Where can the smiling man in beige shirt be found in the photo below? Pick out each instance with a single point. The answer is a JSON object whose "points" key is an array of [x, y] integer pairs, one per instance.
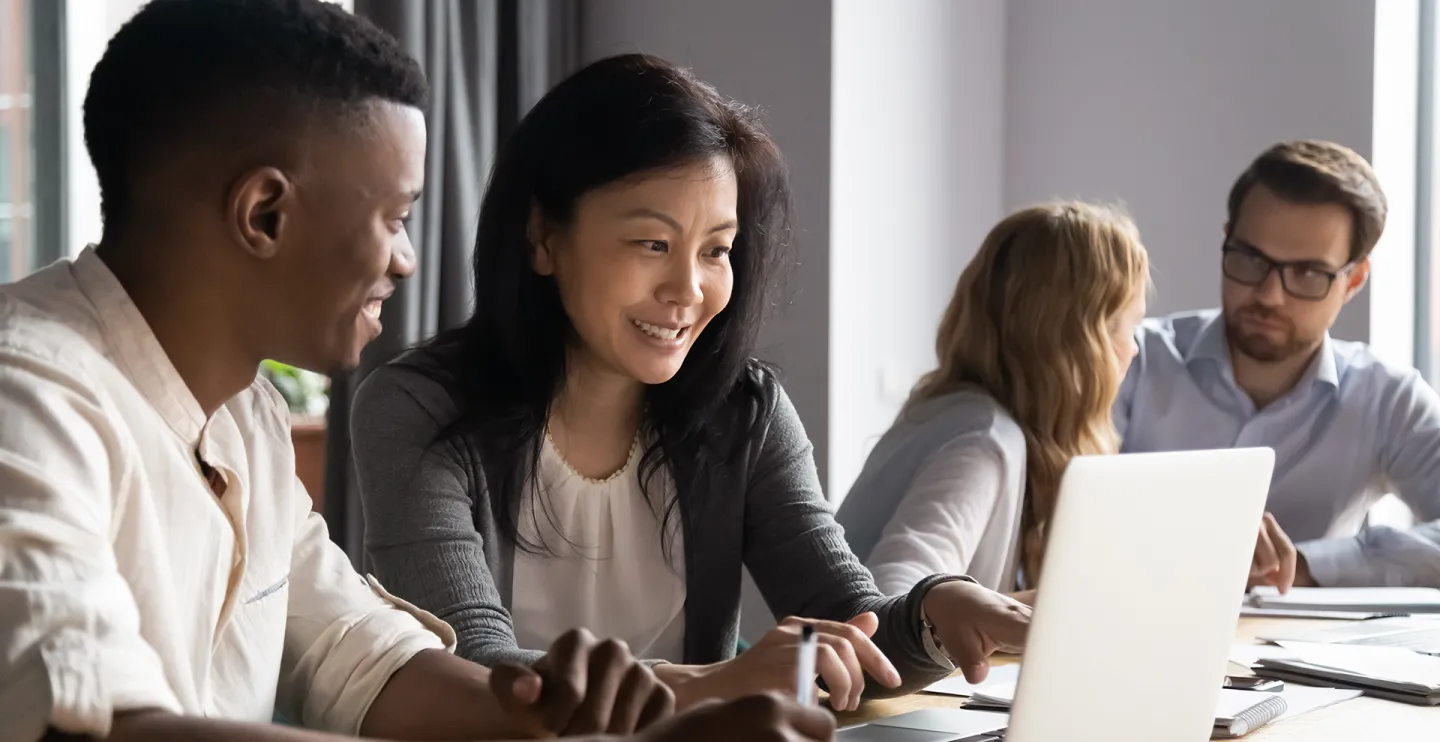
{"points": [[161, 574]]}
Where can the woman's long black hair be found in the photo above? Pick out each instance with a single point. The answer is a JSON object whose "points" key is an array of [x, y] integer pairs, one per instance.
{"points": [[617, 118]]}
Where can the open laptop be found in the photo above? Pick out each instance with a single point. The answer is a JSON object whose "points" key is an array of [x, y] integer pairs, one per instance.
{"points": [[1137, 604]]}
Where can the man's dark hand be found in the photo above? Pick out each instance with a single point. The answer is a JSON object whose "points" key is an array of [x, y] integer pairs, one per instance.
{"points": [[582, 686]]}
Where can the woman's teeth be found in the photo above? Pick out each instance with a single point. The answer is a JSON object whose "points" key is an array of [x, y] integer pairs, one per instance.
{"points": [[663, 333], [372, 309]]}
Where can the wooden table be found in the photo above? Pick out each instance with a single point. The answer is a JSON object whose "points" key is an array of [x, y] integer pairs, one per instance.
{"points": [[1363, 719]]}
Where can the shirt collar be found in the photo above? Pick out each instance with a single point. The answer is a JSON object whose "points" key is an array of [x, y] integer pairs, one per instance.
{"points": [[1210, 345], [138, 352]]}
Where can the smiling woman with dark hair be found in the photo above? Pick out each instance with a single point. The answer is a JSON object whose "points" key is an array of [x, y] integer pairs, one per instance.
{"points": [[596, 447]]}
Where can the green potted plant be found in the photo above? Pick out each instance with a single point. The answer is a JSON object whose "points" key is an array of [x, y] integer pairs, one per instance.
{"points": [[307, 393], [308, 396]]}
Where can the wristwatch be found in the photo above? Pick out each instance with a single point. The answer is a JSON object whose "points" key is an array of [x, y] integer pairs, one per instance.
{"points": [[933, 647]]}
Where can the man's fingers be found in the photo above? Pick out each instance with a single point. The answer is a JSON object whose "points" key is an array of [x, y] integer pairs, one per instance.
{"points": [[1265, 560], [836, 675], [567, 675], [659, 706], [609, 661], [515, 684], [517, 689], [630, 698], [1285, 551]]}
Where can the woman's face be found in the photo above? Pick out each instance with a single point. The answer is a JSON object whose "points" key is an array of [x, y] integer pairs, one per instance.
{"points": [[1122, 333], [644, 266]]}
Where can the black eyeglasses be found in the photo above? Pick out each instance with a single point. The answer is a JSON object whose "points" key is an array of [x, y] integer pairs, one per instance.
{"points": [[1300, 279]]}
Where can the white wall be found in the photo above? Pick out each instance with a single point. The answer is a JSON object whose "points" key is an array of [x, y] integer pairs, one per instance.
{"points": [[89, 24], [1161, 104], [776, 55], [916, 156]]}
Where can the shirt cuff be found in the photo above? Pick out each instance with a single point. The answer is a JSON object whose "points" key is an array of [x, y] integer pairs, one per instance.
{"points": [[90, 679], [373, 649], [1334, 562]]}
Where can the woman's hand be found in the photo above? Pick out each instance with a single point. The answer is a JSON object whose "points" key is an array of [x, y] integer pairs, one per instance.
{"points": [[844, 653], [1023, 596], [973, 623]]}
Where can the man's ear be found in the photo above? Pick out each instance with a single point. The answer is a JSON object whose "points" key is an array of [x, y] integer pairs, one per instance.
{"points": [[542, 257], [1356, 278], [259, 202]]}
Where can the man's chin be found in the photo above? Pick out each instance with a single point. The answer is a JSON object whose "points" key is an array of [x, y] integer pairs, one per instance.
{"points": [[340, 368], [1266, 350]]}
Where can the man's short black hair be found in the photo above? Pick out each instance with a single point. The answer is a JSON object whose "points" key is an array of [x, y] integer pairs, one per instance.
{"points": [[223, 73]]}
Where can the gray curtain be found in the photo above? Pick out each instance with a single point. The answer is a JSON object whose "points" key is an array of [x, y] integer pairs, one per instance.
{"points": [[488, 61]]}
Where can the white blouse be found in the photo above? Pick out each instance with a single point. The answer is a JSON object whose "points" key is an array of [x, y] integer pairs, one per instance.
{"points": [[602, 566]]}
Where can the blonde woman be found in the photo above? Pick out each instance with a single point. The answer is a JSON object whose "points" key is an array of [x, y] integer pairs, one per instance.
{"points": [[1032, 350]]}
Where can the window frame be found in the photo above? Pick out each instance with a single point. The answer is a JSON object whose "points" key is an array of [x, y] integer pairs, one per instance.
{"points": [[47, 37]]}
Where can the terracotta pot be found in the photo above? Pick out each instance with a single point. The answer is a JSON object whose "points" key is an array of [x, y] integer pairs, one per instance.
{"points": [[309, 439]]}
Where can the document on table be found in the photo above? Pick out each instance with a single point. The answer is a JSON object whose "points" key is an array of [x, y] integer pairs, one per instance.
{"points": [[1391, 664], [1299, 699], [1363, 599], [1251, 654], [956, 685]]}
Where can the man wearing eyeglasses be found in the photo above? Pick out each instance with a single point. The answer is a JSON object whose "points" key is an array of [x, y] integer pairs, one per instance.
{"points": [[1263, 370]]}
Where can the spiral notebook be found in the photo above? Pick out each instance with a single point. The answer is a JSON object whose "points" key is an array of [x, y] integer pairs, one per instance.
{"points": [[1237, 712]]}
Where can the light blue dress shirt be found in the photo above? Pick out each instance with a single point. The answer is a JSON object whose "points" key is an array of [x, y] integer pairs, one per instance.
{"points": [[1352, 430]]}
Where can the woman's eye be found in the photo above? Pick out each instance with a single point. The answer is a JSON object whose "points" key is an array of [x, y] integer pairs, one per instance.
{"points": [[655, 245], [719, 252]]}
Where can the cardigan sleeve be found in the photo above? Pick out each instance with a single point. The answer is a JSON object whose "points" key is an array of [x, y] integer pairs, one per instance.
{"points": [[418, 500], [801, 562]]}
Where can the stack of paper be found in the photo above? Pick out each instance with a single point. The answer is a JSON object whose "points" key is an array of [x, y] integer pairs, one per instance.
{"points": [[956, 685], [1384, 672], [1374, 600], [1237, 712]]}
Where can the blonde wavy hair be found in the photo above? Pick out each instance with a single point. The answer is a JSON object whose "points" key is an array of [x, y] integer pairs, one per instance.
{"points": [[1030, 324]]}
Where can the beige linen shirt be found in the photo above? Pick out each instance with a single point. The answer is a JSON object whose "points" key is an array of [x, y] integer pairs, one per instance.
{"points": [[125, 581]]}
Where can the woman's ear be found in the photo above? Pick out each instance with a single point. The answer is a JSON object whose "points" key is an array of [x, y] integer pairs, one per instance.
{"points": [[542, 258]]}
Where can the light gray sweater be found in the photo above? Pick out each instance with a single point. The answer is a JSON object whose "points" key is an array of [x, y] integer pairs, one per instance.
{"points": [[941, 492], [433, 542]]}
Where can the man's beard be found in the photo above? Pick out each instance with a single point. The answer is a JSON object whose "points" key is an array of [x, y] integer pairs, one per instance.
{"points": [[1261, 346]]}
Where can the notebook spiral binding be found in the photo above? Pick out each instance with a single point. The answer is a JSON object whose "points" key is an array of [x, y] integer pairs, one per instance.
{"points": [[1254, 717]]}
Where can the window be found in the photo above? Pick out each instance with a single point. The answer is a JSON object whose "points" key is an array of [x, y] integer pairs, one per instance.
{"points": [[17, 146], [1427, 216]]}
